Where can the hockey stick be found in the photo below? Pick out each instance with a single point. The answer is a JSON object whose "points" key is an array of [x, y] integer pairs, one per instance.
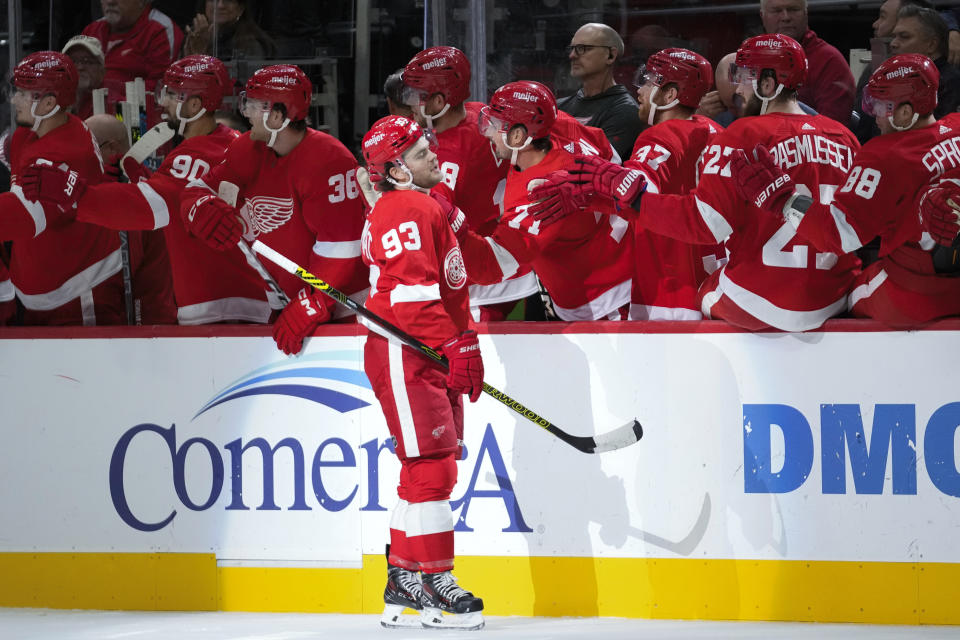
{"points": [[616, 439], [228, 192], [149, 142]]}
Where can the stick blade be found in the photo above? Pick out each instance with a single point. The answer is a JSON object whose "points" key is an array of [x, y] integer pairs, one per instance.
{"points": [[620, 437]]}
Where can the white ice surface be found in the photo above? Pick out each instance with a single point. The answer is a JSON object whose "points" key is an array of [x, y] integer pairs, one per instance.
{"points": [[43, 624]]}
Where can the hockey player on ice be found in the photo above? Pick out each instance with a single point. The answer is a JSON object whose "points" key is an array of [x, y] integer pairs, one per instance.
{"points": [[209, 285], [418, 283]]}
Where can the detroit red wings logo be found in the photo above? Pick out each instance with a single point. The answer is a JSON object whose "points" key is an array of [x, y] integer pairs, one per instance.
{"points": [[454, 269], [267, 213]]}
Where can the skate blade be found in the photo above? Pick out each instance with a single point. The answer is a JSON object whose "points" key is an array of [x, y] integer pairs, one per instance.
{"points": [[394, 617], [433, 618]]}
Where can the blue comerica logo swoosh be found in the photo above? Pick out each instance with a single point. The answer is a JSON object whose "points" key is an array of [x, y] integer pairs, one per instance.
{"points": [[309, 368]]}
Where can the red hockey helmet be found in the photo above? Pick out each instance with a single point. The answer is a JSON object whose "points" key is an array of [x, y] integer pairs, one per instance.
{"points": [[199, 75], [48, 72], [526, 103], [775, 51], [908, 77], [690, 71], [286, 84], [443, 70], [386, 142]]}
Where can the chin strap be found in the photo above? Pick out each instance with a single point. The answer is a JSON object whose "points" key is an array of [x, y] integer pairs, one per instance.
{"points": [[766, 101], [408, 183], [654, 107], [516, 150], [38, 120], [430, 119], [916, 116], [185, 121], [273, 132]]}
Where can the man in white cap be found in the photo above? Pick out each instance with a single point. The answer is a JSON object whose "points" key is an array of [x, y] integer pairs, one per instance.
{"points": [[87, 56]]}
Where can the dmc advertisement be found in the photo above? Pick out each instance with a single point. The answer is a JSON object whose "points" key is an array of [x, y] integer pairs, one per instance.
{"points": [[825, 446]]}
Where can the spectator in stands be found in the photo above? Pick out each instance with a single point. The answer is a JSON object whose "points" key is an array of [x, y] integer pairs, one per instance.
{"points": [[236, 32], [829, 88], [952, 18], [87, 56], [140, 42], [150, 276], [863, 124], [601, 102], [721, 103], [923, 31]]}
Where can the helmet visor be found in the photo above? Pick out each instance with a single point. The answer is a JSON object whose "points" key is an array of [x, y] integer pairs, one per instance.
{"points": [[743, 75], [487, 122], [875, 106], [645, 75], [413, 97], [252, 107]]}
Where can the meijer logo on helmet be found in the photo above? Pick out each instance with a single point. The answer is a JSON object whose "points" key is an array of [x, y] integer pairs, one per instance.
{"points": [[899, 72], [374, 140], [439, 62], [196, 68], [526, 97], [769, 43]]}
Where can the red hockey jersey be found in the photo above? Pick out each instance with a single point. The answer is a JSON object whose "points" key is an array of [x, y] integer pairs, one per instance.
{"points": [[583, 260], [305, 205], [667, 272], [474, 179], [8, 305], [64, 272], [209, 286], [417, 275], [572, 136], [880, 198], [771, 275]]}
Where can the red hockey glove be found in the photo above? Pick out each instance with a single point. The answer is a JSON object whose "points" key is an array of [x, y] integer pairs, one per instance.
{"points": [[557, 197], [940, 212], [215, 222], [60, 185], [624, 185], [298, 320], [455, 217], [134, 171], [466, 365], [111, 168], [760, 181]]}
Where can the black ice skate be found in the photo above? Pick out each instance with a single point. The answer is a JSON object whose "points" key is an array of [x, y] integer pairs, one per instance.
{"points": [[403, 591], [446, 604]]}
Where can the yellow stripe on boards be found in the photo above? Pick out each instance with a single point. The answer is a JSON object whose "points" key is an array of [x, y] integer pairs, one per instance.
{"points": [[141, 581], [677, 588]]}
